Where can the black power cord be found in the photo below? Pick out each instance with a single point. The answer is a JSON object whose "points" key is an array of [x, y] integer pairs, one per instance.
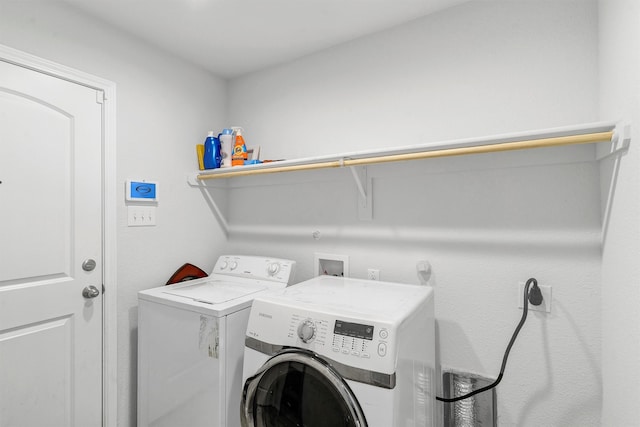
{"points": [[535, 298]]}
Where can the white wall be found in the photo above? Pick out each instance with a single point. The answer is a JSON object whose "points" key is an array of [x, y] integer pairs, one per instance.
{"points": [[164, 108], [460, 73], [485, 222], [619, 98]]}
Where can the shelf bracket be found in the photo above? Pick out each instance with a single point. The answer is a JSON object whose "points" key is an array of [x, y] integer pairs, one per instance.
{"points": [[193, 181], [365, 187], [620, 141]]}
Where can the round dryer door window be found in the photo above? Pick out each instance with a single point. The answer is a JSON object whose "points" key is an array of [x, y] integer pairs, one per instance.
{"points": [[296, 388]]}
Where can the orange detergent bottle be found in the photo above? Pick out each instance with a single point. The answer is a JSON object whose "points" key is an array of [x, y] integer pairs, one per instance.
{"points": [[239, 148]]}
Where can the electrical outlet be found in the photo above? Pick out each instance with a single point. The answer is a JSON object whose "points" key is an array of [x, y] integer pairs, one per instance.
{"points": [[373, 274], [546, 298]]}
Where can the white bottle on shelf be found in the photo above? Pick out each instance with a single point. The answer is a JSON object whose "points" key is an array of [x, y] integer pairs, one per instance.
{"points": [[226, 143]]}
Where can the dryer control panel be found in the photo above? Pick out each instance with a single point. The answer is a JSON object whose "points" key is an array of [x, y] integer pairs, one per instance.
{"points": [[361, 340], [364, 344], [257, 268], [351, 342]]}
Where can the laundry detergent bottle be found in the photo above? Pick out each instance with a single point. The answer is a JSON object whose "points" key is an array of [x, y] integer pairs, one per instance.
{"points": [[239, 148], [212, 156]]}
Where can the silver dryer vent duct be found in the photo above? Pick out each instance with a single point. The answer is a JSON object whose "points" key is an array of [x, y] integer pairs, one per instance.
{"points": [[476, 411]]}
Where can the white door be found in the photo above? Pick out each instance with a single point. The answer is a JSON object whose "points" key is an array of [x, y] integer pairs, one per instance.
{"points": [[50, 223]]}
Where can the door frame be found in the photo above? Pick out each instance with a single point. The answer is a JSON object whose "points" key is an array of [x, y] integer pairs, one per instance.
{"points": [[109, 220]]}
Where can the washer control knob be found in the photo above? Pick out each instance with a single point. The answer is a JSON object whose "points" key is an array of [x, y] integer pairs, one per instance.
{"points": [[224, 265], [273, 268], [233, 265], [307, 331]]}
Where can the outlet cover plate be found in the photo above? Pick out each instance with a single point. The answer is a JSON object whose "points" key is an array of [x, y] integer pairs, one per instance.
{"points": [[546, 298]]}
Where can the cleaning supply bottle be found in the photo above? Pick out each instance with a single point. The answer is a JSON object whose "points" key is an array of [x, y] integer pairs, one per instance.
{"points": [[226, 144], [239, 148], [212, 156]]}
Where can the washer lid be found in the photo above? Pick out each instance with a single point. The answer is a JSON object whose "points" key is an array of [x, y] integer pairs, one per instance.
{"points": [[214, 291]]}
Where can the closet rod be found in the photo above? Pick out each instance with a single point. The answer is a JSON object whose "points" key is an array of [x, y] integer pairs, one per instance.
{"points": [[244, 172], [588, 138]]}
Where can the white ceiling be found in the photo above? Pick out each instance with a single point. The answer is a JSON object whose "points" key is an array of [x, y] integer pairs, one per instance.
{"points": [[235, 37]]}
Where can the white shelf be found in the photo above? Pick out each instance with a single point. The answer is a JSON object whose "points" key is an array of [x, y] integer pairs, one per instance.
{"points": [[579, 134], [591, 133]]}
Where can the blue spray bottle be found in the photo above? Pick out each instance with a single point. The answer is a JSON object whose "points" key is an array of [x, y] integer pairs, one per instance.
{"points": [[212, 155]]}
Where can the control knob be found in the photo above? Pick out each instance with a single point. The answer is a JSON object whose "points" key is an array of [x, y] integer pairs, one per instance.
{"points": [[273, 268], [307, 331]]}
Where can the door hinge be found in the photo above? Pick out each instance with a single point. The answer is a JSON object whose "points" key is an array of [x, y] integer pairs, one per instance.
{"points": [[100, 96], [103, 289]]}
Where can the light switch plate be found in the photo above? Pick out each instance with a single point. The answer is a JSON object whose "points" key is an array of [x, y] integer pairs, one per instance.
{"points": [[141, 216]]}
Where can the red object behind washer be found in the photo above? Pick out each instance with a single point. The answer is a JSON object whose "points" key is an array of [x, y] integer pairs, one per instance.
{"points": [[186, 272]]}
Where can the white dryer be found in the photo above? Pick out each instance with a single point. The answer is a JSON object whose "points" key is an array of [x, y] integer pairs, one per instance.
{"points": [[337, 352], [191, 342]]}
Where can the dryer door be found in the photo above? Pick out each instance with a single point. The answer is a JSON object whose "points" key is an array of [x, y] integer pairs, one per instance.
{"points": [[298, 388]]}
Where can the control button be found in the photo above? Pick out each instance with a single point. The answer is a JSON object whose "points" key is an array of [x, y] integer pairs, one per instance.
{"points": [[366, 355], [224, 265], [383, 334], [355, 353], [234, 265], [345, 351], [382, 349], [336, 349]]}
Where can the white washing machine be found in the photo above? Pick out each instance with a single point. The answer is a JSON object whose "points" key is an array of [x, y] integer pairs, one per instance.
{"points": [[337, 352], [191, 342]]}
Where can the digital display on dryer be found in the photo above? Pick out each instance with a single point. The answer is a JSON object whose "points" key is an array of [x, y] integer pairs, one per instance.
{"points": [[355, 330]]}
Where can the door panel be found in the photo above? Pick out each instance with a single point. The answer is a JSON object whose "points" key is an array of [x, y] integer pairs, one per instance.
{"points": [[35, 193], [50, 221], [34, 352]]}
